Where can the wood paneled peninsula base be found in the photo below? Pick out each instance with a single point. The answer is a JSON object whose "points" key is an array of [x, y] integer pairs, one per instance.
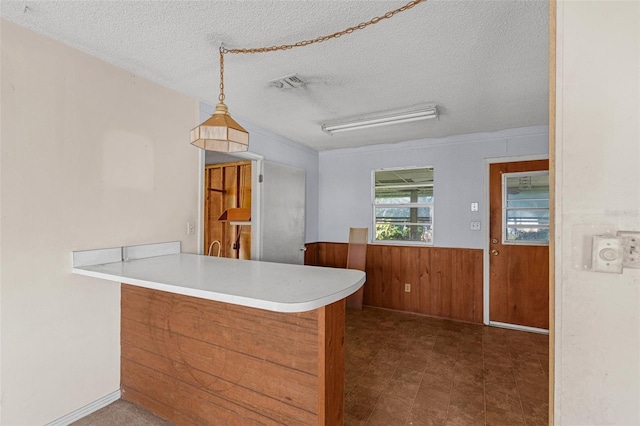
{"points": [[200, 362], [214, 341]]}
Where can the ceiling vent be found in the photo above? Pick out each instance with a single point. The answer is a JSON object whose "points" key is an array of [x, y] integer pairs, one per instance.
{"points": [[292, 81]]}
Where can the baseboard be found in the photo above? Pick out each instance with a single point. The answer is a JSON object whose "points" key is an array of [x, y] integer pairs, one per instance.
{"points": [[420, 314], [518, 327], [86, 410]]}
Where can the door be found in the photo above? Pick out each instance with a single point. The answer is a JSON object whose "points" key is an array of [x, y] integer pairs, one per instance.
{"points": [[519, 243], [283, 201]]}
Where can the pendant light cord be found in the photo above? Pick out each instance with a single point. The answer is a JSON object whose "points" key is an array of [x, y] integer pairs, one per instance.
{"points": [[320, 39], [221, 96], [302, 43]]}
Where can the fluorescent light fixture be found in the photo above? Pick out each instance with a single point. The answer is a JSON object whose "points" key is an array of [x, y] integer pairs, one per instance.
{"points": [[382, 120]]}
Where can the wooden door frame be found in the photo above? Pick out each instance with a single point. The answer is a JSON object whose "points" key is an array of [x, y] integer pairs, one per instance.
{"points": [[486, 233], [256, 200]]}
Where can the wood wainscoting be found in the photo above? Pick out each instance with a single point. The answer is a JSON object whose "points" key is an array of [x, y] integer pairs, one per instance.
{"points": [[199, 362], [445, 282]]}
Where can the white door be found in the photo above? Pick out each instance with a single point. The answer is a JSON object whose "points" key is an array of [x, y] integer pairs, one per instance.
{"points": [[282, 214]]}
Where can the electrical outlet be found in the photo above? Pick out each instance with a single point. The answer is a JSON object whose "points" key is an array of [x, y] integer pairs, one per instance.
{"points": [[407, 288], [607, 254], [191, 228], [630, 248], [475, 225]]}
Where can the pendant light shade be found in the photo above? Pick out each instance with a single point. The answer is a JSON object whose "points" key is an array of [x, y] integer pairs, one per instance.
{"points": [[220, 133]]}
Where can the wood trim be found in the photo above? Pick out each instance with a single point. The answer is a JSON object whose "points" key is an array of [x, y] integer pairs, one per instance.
{"points": [[552, 198], [200, 362], [445, 282], [331, 329], [322, 371]]}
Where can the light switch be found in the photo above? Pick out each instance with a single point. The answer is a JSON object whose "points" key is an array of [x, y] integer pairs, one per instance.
{"points": [[475, 225], [474, 207], [631, 248]]}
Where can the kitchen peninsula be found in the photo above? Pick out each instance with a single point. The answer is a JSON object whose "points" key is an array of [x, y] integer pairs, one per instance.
{"points": [[208, 340]]}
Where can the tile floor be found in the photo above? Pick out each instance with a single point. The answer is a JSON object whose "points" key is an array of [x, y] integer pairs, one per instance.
{"points": [[404, 369]]}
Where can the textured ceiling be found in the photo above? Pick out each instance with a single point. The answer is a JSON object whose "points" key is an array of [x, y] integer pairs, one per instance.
{"points": [[484, 63]]}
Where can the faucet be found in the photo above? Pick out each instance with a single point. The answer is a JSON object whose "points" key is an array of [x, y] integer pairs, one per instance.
{"points": [[211, 247]]}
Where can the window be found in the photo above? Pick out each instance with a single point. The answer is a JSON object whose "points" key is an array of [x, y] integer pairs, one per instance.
{"points": [[403, 205], [525, 208]]}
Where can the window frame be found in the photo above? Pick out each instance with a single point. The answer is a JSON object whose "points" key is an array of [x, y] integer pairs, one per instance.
{"points": [[431, 206], [503, 232]]}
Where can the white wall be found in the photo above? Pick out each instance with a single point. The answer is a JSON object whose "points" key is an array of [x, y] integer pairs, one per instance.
{"points": [[597, 358], [213, 157], [345, 180], [279, 149], [92, 156]]}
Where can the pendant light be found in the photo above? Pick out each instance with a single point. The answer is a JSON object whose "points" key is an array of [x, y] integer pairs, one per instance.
{"points": [[220, 133]]}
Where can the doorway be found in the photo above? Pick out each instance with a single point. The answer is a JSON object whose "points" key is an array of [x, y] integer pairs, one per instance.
{"points": [[276, 228], [517, 250], [227, 210], [251, 230]]}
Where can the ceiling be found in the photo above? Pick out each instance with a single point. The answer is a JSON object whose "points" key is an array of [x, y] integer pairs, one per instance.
{"points": [[483, 63]]}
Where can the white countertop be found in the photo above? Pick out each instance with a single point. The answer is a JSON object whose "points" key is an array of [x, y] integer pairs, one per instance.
{"points": [[263, 285]]}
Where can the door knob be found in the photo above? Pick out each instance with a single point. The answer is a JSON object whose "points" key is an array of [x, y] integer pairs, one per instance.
{"points": [[495, 252], [303, 248]]}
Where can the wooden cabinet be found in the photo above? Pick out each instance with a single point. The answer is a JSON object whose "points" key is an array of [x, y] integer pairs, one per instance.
{"points": [[227, 186]]}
